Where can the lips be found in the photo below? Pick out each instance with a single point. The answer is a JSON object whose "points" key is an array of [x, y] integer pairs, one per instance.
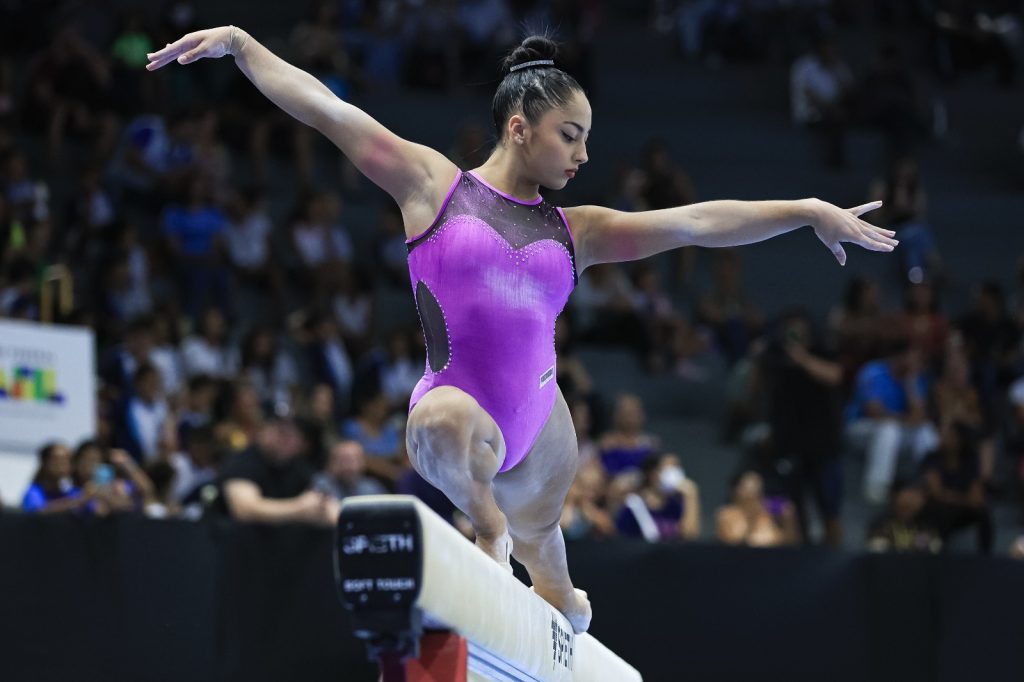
{"points": [[570, 173]]}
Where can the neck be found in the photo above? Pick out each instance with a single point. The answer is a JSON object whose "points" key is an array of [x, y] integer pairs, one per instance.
{"points": [[505, 171]]}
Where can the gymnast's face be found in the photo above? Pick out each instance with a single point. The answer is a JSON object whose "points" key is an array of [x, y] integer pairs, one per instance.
{"points": [[554, 147]]}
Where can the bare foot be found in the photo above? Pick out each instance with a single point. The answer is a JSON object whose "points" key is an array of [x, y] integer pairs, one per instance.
{"points": [[574, 606], [499, 549]]}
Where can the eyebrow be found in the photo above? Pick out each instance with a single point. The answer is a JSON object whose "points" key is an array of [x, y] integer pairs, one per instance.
{"points": [[578, 126]]}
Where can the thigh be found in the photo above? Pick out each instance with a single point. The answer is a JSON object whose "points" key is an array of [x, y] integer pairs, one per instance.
{"points": [[532, 494], [448, 428]]}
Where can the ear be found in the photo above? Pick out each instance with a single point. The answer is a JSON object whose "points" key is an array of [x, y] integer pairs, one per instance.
{"points": [[518, 128]]}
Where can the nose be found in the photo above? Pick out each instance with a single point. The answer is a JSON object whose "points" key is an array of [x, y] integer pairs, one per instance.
{"points": [[581, 157]]}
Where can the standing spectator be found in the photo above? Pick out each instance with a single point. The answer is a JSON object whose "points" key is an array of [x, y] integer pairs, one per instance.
{"points": [[752, 519], [956, 492], [887, 416], [345, 475], [821, 85], [194, 230], [269, 481], [210, 352], [803, 395], [52, 490], [667, 506]]}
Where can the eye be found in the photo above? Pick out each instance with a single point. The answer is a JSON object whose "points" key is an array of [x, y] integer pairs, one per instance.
{"points": [[568, 138]]}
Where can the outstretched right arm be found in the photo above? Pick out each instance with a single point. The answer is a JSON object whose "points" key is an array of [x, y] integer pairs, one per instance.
{"points": [[416, 176]]}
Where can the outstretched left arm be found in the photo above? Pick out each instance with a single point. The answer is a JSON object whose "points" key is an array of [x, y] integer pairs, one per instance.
{"points": [[604, 235]]}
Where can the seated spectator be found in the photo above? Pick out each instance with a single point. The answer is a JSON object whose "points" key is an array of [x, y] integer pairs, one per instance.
{"points": [[329, 359], [399, 370], [197, 409], [821, 87], [891, 100], [345, 475], [856, 325], [247, 236], [955, 400], [667, 506], [352, 305], [923, 322], [52, 489], [195, 465], [1017, 548], [1014, 436], [901, 528], [887, 417], [322, 244], [956, 492], [117, 483], [144, 415], [245, 419], [905, 211], [319, 423], [392, 251], [604, 305], [269, 369], [163, 505], [627, 446], [583, 516], [210, 351], [269, 482], [728, 310], [378, 434], [753, 519], [582, 425]]}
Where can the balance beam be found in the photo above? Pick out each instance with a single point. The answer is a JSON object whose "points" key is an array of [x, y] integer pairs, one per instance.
{"points": [[399, 566]]}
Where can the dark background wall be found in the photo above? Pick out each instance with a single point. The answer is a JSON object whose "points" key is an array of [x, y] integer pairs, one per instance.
{"points": [[131, 599]]}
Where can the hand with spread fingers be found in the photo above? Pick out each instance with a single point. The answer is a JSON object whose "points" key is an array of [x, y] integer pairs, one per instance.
{"points": [[211, 43], [835, 225]]}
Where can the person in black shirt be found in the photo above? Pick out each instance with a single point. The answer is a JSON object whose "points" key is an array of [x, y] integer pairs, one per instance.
{"points": [[269, 482], [956, 493], [802, 383]]}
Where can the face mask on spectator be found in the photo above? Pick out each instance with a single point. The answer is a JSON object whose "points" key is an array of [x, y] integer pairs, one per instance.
{"points": [[671, 478]]}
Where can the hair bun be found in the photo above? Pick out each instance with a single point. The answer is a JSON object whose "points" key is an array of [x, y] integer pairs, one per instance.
{"points": [[531, 49]]}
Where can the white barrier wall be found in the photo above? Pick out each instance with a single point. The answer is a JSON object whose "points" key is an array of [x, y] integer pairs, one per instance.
{"points": [[47, 392]]}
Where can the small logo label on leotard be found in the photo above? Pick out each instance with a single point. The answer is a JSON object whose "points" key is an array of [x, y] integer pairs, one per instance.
{"points": [[547, 376]]}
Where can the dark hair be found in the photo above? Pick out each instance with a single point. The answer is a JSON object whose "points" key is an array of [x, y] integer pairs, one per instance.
{"points": [[45, 455], [532, 90]]}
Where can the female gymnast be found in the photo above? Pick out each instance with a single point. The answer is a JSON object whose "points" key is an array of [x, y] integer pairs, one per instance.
{"points": [[492, 264]]}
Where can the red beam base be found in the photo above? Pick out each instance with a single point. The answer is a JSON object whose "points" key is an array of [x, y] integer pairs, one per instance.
{"points": [[443, 658]]}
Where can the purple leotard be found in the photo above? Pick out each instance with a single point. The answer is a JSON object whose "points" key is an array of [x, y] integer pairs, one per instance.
{"points": [[490, 276]]}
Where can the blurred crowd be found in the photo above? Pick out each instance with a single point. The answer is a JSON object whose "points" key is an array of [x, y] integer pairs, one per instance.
{"points": [[160, 219]]}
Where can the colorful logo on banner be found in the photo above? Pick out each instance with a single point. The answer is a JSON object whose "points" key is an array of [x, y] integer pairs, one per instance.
{"points": [[30, 385]]}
